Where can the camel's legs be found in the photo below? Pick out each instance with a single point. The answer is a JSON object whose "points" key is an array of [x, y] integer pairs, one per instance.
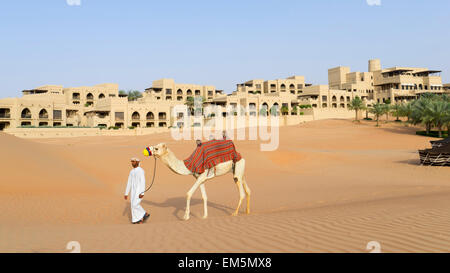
{"points": [[241, 195], [205, 201], [200, 180], [247, 192]]}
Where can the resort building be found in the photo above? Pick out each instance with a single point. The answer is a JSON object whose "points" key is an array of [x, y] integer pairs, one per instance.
{"points": [[321, 96], [102, 105], [53, 105], [446, 88], [263, 96], [168, 90], [99, 106], [376, 85], [406, 83]]}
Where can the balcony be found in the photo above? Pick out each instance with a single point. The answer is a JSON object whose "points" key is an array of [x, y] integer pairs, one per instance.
{"points": [[5, 116], [408, 93]]}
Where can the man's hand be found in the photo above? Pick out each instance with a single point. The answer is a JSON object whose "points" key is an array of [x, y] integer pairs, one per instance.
{"points": [[141, 196], [125, 197]]}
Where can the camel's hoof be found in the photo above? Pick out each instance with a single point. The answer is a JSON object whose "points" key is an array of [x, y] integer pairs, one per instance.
{"points": [[185, 218], [234, 214], [205, 216]]}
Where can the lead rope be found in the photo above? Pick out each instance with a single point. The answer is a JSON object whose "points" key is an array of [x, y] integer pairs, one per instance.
{"points": [[153, 179]]}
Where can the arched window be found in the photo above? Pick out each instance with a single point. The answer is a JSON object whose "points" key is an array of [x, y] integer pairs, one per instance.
{"points": [[101, 96], [189, 92], [180, 92], [26, 113], [150, 116], [43, 114], [136, 116], [90, 96]]}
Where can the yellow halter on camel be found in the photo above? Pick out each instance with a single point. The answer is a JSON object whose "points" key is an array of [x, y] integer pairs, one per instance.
{"points": [[147, 152]]}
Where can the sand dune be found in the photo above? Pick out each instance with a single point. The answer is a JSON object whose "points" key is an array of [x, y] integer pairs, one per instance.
{"points": [[332, 186]]}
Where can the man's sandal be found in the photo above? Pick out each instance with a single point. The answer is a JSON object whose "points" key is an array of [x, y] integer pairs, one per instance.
{"points": [[146, 216]]}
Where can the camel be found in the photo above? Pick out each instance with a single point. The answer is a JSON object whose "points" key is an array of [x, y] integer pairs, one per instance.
{"points": [[161, 151]]}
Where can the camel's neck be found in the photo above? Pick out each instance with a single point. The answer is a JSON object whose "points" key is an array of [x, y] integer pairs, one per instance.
{"points": [[176, 165]]}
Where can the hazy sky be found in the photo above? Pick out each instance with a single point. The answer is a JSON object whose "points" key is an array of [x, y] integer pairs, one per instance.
{"points": [[214, 42]]}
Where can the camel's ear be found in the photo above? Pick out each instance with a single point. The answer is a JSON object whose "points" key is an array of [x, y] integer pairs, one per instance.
{"points": [[164, 145]]}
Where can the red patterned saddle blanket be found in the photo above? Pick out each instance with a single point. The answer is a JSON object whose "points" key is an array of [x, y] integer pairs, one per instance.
{"points": [[211, 153]]}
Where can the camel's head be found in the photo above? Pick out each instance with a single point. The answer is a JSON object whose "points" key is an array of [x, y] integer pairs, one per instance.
{"points": [[157, 150]]}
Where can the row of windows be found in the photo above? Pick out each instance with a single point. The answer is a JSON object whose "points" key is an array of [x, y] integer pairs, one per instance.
{"points": [[137, 115], [77, 96], [415, 87], [367, 91], [43, 114]]}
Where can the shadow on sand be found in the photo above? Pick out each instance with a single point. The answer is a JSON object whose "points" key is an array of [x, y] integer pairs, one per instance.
{"points": [[399, 130], [412, 162], [179, 205], [127, 211]]}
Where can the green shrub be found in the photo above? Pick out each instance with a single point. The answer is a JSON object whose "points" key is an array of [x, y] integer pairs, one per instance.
{"points": [[432, 133], [368, 119]]}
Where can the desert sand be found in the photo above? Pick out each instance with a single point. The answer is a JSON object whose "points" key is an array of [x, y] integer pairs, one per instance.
{"points": [[332, 186]]}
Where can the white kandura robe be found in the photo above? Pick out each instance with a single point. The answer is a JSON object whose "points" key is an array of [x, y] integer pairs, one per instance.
{"points": [[136, 183]]}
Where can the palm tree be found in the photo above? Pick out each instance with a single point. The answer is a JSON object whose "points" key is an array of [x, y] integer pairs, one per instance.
{"points": [[284, 110], [294, 110], [421, 112], [396, 110], [387, 109], [406, 110], [274, 110], [356, 104], [263, 112], [439, 112], [378, 110], [190, 103], [132, 94]]}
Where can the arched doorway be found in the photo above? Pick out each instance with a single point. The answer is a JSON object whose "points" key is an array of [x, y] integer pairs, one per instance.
{"points": [[264, 109], [274, 109]]}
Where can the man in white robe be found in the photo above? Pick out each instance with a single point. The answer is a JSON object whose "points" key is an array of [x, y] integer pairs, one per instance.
{"points": [[136, 184]]}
